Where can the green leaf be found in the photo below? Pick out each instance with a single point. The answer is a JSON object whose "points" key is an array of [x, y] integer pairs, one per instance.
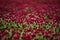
{"points": [[35, 24], [27, 25], [10, 32], [20, 39], [3, 22], [20, 25], [59, 25], [9, 25], [48, 26], [32, 25], [45, 39], [46, 17], [14, 24], [39, 37], [3, 26], [57, 30], [42, 25]]}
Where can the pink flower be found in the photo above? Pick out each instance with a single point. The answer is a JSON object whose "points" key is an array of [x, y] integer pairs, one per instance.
{"points": [[15, 36]]}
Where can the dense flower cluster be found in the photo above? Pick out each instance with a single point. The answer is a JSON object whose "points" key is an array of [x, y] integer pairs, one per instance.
{"points": [[29, 20]]}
